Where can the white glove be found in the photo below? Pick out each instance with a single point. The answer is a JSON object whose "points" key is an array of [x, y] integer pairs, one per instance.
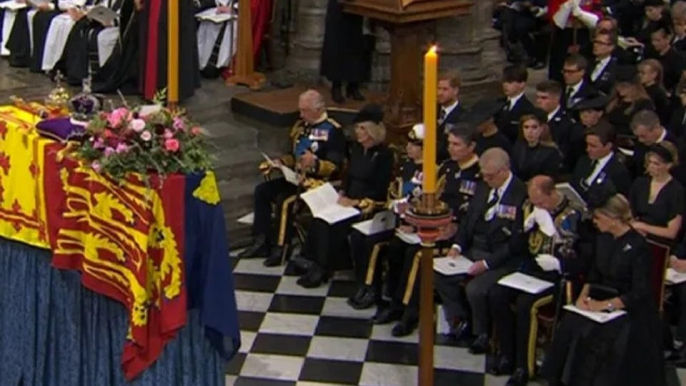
{"points": [[529, 222], [548, 263], [587, 18], [562, 15], [540, 12]]}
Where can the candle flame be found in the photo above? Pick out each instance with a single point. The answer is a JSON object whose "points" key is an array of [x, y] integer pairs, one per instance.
{"points": [[433, 49]]}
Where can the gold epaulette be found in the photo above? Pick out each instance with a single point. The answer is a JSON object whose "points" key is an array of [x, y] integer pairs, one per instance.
{"points": [[325, 168], [312, 183], [334, 123], [367, 205]]}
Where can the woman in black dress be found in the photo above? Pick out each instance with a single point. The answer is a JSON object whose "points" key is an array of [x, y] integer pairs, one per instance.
{"points": [[650, 72], [628, 98], [365, 186], [535, 153], [626, 351], [657, 200]]}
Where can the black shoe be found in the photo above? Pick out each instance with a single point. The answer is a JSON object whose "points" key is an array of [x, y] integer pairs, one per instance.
{"points": [[300, 265], [463, 331], [314, 278], [407, 325], [260, 248], [386, 315], [535, 64], [354, 93], [519, 378], [337, 95], [274, 260], [480, 345], [502, 366], [369, 299], [354, 300]]}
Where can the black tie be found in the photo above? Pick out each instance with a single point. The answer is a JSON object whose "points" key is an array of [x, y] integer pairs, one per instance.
{"points": [[570, 91], [508, 105], [441, 116], [494, 200]]}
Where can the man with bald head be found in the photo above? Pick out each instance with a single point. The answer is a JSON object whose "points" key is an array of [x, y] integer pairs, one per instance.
{"points": [[548, 248], [317, 152], [486, 236]]}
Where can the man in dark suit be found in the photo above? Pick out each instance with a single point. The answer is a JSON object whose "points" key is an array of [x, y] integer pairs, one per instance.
{"points": [[548, 99], [574, 75], [487, 236], [648, 131], [449, 110], [600, 165], [673, 62], [602, 73], [516, 103]]}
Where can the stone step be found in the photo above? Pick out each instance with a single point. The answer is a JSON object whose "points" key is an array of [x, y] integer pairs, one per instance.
{"points": [[225, 134], [238, 163]]}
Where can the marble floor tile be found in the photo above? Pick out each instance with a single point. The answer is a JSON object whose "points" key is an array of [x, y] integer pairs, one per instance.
{"points": [[272, 367], [253, 301], [338, 348], [250, 321], [383, 332], [379, 351], [278, 344], [292, 324], [247, 338], [308, 383], [256, 283], [344, 327], [255, 266], [297, 304], [456, 358], [339, 307], [379, 374], [331, 371], [230, 380]]}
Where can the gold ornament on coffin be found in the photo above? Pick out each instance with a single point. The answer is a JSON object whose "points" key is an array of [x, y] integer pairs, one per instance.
{"points": [[58, 99]]}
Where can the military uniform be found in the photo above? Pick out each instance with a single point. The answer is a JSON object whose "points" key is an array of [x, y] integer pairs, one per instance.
{"points": [[513, 327], [325, 139]]}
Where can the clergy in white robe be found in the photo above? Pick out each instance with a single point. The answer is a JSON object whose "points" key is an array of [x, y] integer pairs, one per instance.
{"points": [[216, 36], [8, 13], [58, 32]]}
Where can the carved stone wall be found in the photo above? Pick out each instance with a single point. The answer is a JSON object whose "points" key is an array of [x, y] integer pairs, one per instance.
{"points": [[306, 39]]}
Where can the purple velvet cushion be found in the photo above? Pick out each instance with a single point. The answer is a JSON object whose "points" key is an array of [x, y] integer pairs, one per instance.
{"points": [[60, 129]]}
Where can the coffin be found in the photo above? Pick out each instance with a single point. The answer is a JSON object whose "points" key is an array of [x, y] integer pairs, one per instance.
{"points": [[407, 11]]}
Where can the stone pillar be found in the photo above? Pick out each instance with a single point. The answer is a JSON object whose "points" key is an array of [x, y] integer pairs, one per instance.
{"points": [[306, 41]]}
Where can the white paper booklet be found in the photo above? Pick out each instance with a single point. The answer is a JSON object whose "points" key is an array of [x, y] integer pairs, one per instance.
{"points": [[215, 17], [452, 265], [102, 15], [572, 195], [289, 174], [409, 238], [12, 5], [599, 317], [248, 219], [525, 283], [674, 277], [381, 222], [323, 203]]}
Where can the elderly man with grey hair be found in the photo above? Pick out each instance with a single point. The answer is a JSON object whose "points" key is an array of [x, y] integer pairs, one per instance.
{"points": [[317, 152], [487, 236]]}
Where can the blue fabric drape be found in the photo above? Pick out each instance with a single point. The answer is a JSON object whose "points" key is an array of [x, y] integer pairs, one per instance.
{"points": [[55, 332]]}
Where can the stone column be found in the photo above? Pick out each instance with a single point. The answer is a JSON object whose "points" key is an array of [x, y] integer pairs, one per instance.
{"points": [[306, 41]]}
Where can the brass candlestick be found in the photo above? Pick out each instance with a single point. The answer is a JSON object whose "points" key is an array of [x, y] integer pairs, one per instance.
{"points": [[429, 215]]}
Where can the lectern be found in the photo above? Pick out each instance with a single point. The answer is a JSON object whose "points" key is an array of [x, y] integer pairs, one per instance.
{"points": [[409, 23]]}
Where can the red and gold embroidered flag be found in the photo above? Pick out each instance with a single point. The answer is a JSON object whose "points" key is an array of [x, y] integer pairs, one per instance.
{"points": [[127, 240], [22, 209]]}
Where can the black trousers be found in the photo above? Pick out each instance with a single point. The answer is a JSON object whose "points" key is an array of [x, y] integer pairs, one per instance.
{"points": [[513, 327], [680, 291], [362, 250], [268, 193], [562, 40], [471, 300], [519, 27], [327, 244]]}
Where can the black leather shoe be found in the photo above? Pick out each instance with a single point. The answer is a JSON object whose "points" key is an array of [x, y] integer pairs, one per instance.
{"points": [[387, 315], [314, 278], [274, 260], [519, 378], [463, 331], [503, 366], [337, 95], [480, 345], [259, 248], [354, 93], [407, 325], [369, 299], [354, 300]]}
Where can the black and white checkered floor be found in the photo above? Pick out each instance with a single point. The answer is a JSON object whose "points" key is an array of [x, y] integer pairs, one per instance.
{"points": [[297, 336]]}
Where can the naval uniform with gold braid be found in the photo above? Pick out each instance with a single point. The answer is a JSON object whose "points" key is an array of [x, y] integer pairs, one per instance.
{"points": [[457, 183], [325, 139], [513, 327]]}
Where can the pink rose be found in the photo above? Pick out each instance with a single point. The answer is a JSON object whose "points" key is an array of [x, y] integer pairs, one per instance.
{"points": [[168, 134], [96, 166], [178, 124], [99, 143], [146, 136], [137, 125], [117, 116], [122, 148], [171, 145], [109, 151], [196, 130]]}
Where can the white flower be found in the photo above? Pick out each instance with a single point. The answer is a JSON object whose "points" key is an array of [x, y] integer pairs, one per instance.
{"points": [[137, 125]]}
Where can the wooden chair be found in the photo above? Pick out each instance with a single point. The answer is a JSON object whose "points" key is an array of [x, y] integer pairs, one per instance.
{"points": [[658, 270]]}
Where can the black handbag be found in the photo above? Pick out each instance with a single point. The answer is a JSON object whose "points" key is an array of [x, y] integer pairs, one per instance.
{"points": [[600, 292]]}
